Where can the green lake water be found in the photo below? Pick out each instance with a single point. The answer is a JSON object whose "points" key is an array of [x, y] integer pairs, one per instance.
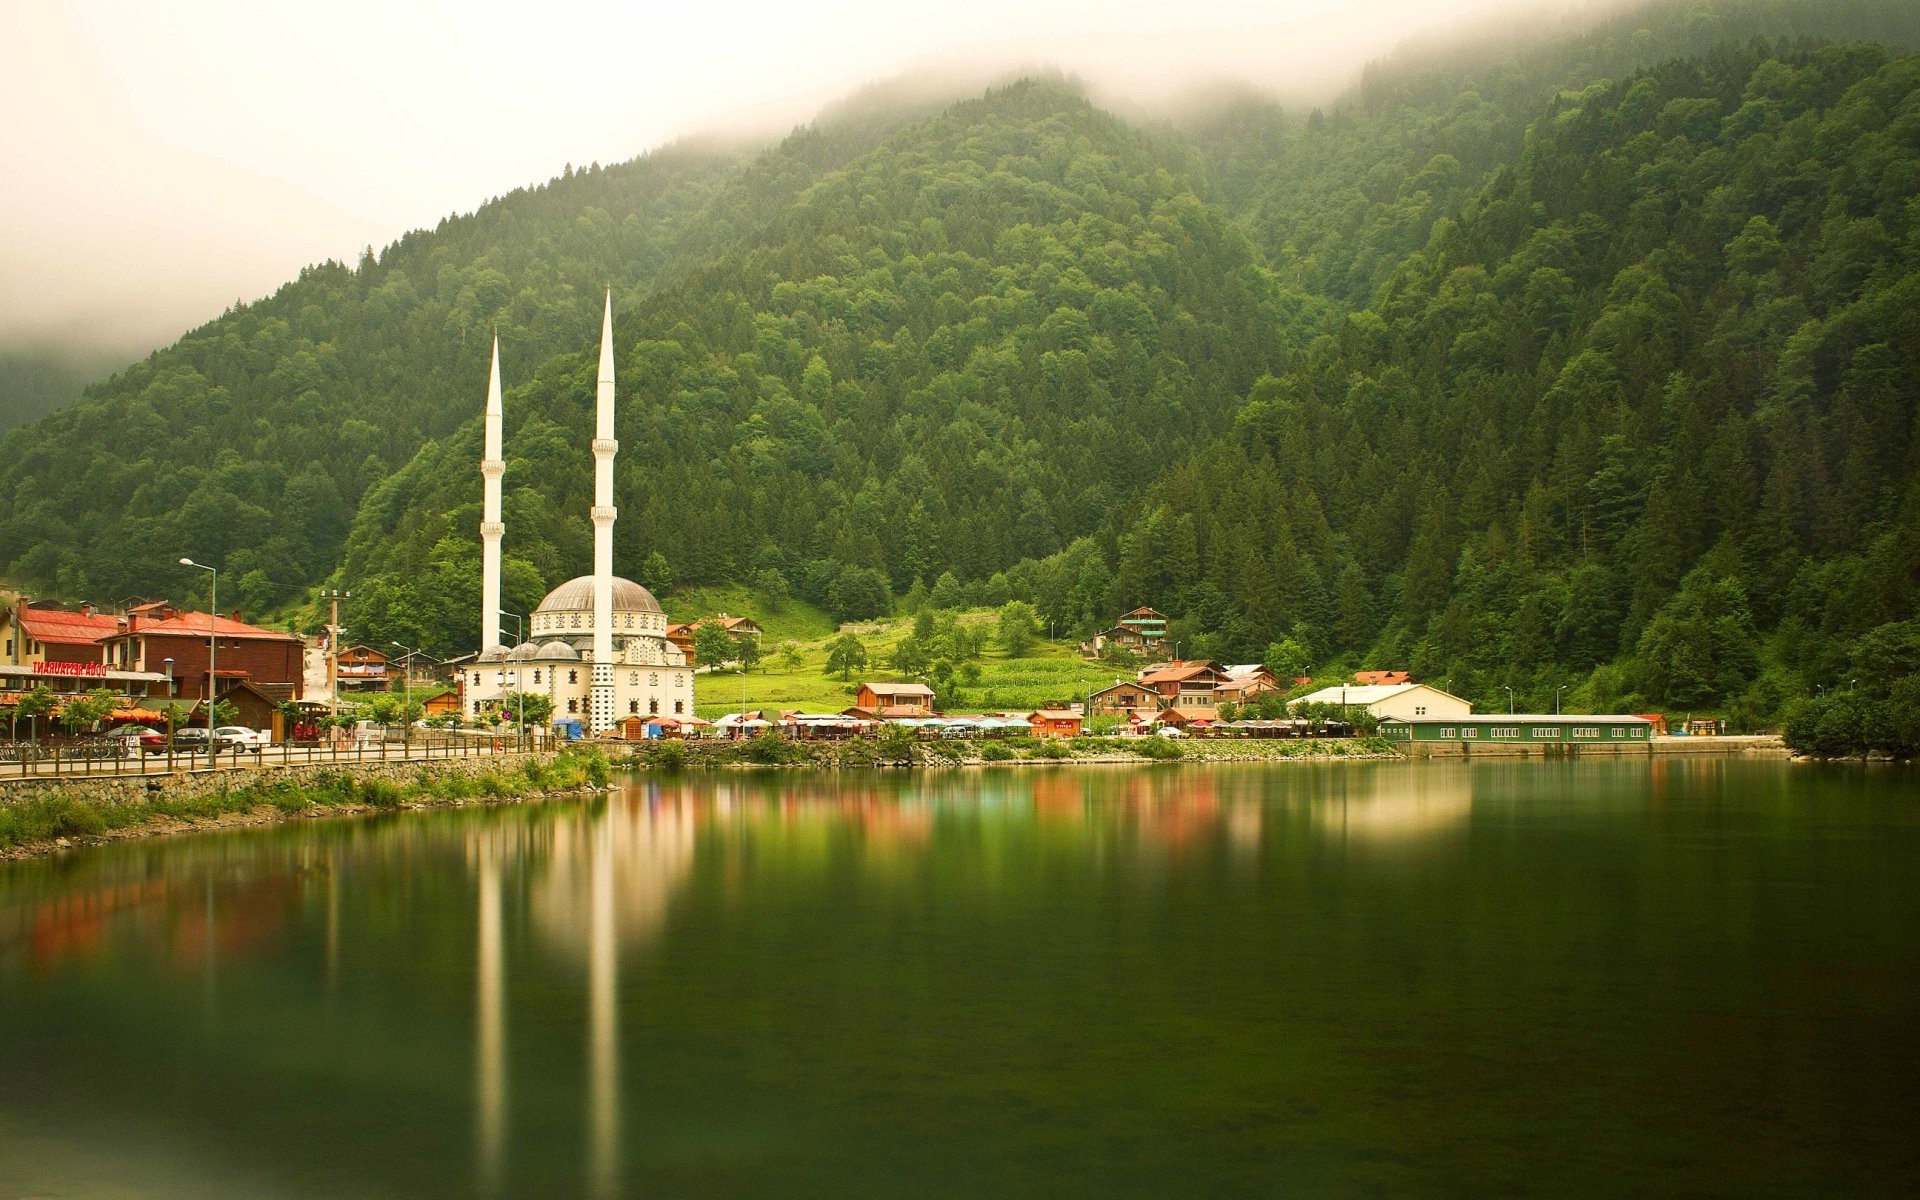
{"points": [[1607, 978]]}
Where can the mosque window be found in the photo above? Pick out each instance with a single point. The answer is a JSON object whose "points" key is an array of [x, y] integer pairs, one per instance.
{"points": [[653, 706], [679, 706], [536, 677], [633, 679], [476, 679], [633, 706], [678, 680], [573, 705], [576, 620], [653, 679]]}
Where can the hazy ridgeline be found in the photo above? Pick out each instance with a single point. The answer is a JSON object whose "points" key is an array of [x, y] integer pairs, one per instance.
{"points": [[1594, 361]]}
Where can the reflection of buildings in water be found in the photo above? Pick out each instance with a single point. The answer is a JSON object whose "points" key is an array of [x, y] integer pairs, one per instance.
{"points": [[1388, 804]]}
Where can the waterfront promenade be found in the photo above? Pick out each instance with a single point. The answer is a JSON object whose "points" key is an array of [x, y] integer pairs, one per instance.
{"points": [[60, 763]]}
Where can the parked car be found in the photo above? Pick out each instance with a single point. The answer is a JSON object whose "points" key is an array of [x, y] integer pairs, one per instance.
{"points": [[137, 739], [1171, 731], [239, 737], [191, 740]]}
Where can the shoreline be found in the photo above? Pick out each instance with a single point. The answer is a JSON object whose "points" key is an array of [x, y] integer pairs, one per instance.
{"points": [[81, 823]]}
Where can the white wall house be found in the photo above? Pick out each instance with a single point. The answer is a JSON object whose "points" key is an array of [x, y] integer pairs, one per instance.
{"points": [[1392, 700]]}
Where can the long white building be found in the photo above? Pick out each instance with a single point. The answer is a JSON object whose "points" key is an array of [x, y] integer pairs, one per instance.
{"points": [[597, 646]]}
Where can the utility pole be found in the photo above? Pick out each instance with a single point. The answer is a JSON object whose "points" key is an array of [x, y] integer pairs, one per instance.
{"points": [[334, 596]]}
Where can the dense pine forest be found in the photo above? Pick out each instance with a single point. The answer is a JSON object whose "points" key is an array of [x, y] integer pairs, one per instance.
{"points": [[1594, 365]]}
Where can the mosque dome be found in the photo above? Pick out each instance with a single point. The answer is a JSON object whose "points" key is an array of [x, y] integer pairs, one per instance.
{"points": [[559, 651], [493, 655], [576, 595], [524, 652]]}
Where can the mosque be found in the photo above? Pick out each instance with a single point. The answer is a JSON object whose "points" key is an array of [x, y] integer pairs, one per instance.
{"points": [[598, 643]]}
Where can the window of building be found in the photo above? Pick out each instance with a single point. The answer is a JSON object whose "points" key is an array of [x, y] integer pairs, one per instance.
{"points": [[1585, 731], [1419, 710], [573, 704], [653, 679], [653, 707], [576, 620], [536, 676], [476, 708], [1618, 732], [1546, 731], [573, 677], [1469, 731], [1446, 731], [633, 679], [633, 706], [678, 680], [679, 707]]}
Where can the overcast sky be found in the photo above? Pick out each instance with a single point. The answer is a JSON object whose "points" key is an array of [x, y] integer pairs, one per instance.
{"points": [[164, 159]]}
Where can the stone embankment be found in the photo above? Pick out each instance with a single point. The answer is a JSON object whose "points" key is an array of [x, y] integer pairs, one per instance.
{"points": [[40, 816]]}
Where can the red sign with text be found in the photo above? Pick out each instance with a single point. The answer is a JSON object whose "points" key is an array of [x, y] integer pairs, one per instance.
{"points": [[67, 668]]}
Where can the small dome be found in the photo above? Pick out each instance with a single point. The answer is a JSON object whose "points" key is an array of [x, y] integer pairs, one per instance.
{"points": [[494, 655], [524, 652], [559, 651], [576, 595]]}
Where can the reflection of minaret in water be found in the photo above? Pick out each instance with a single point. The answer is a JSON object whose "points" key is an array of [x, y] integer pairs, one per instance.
{"points": [[600, 698], [603, 1062], [490, 1032]]}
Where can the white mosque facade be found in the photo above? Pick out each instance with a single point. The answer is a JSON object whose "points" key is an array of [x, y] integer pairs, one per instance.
{"points": [[597, 645]]}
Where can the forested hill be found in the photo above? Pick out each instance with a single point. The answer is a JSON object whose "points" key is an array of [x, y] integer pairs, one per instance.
{"points": [[1584, 366]]}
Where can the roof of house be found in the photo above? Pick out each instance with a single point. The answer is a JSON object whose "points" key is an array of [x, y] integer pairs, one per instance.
{"points": [[1382, 677], [1125, 683], [196, 625], [899, 689], [63, 628], [1358, 693], [1243, 671], [1178, 673], [1053, 714], [1144, 611]]}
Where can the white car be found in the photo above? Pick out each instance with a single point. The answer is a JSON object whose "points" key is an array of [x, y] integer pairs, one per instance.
{"points": [[1171, 731], [239, 737]]}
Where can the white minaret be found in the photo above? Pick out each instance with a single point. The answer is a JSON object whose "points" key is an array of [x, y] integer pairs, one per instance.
{"points": [[491, 527], [600, 704]]}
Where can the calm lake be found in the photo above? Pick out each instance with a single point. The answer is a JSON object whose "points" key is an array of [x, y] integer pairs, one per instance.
{"points": [[1609, 978]]}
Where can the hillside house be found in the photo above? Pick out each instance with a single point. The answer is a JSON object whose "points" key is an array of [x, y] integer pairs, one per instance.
{"points": [[1125, 698], [895, 699], [361, 669], [1193, 687]]}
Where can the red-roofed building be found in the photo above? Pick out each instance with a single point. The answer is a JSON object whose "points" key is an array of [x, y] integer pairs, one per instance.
{"points": [[1054, 722], [31, 635], [269, 661], [895, 699], [1190, 686], [1382, 678]]}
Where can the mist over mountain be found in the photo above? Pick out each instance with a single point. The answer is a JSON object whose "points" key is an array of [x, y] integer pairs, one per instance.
{"points": [[1590, 359]]}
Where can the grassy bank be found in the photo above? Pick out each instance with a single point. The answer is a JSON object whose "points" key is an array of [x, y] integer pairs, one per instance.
{"points": [[902, 749], [48, 818]]}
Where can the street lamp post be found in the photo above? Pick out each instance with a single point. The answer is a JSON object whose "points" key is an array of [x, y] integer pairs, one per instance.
{"points": [[213, 647], [519, 635], [406, 698], [1509, 699], [1556, 698]]}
